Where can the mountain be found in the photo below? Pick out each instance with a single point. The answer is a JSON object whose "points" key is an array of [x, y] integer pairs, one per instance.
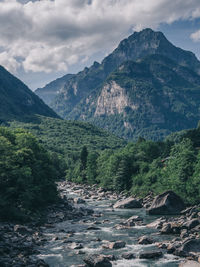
{"points": [[49, 92], [17, 101], [84, 96], [150, 98], [21, 108]]}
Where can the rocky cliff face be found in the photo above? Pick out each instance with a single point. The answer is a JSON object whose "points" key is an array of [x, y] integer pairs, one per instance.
{"points": [[112, 100]]}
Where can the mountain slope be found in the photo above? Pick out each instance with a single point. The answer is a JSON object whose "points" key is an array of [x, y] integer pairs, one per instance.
{"points": [[17, 101], [67, 138], [137, 46], [151, 98], [49, 92]]}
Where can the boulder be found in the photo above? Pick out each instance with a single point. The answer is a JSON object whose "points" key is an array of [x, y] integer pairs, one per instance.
{"points": [[144, 240], [192, 245], [117, 245], [128, 203], [191, 223], [150, 255], [114, 245], [96, 260], [167, 203], [128, 256]]}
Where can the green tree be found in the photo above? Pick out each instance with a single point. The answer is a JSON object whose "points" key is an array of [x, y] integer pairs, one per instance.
{"points": [[180, 167], [122, 179], [91, 170], [84, 155]]}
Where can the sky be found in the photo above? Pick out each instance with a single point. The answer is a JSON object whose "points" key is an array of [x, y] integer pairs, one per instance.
{"points": [[43, 40]]}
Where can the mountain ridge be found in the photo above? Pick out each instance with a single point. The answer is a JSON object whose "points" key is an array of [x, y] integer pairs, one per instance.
{"points": [[79, 97], [17, 101]]}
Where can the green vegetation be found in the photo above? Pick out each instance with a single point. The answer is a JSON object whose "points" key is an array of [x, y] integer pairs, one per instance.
{"points": [[65, 140], [147, 166], [27, 175]]}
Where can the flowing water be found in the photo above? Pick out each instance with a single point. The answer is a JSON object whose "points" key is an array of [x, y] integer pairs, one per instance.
{"points": [[59, 254]]}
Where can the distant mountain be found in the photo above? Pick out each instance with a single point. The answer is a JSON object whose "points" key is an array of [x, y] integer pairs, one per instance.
{"points": [[90, 94], [50, 91], [151, 98], [17, 101]]}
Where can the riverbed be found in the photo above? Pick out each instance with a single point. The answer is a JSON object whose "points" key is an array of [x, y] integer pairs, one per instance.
{"points": [[68, 242]]}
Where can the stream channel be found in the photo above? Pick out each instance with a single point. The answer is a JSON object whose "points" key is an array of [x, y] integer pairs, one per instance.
{"points": [[58, 253]]}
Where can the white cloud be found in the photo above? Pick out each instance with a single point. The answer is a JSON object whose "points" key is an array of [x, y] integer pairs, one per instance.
{"points": [[195, 36], [50, 35]]}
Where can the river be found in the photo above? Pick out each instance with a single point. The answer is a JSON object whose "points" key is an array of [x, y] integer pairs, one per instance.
{"points": [[58, 253]]}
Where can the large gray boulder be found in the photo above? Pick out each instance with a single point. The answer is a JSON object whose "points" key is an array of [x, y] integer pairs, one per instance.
{"points": [[128, 203], [167, 203]]}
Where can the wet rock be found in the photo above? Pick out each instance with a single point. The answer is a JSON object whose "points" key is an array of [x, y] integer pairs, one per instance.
{"points": [[144, 240], [166, 229], [128, 203], [192, 245], [76, 246], [157, 224], [114, 245], [96, 260], [191, 223], [128, 256], [41, 263], [150, 255], [93, 228], [173, 246], [184, 234], [79, 201], [166, 204], [21, 229], [117, 245]]}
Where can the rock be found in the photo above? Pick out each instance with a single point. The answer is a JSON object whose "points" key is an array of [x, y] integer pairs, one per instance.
{"points": [[93, 228], [117, 245], [128, 203], [192, 245], [114, 245], [166, 229], [189, 264], [191, 223], [184, 233], [173, 246], [157, 224], [166, 204], [21, 229], [144, 240], [171, 228], [79, 201], [96, 260], [128, 256], [76, 246], [41, 263], [150, 255]]}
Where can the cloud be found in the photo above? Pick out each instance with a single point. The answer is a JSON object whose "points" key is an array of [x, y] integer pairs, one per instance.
{"points": [[50, 35], [195, 36]]}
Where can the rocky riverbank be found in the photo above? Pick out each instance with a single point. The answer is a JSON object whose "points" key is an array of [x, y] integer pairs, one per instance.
{"points": [[178, 235]]}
